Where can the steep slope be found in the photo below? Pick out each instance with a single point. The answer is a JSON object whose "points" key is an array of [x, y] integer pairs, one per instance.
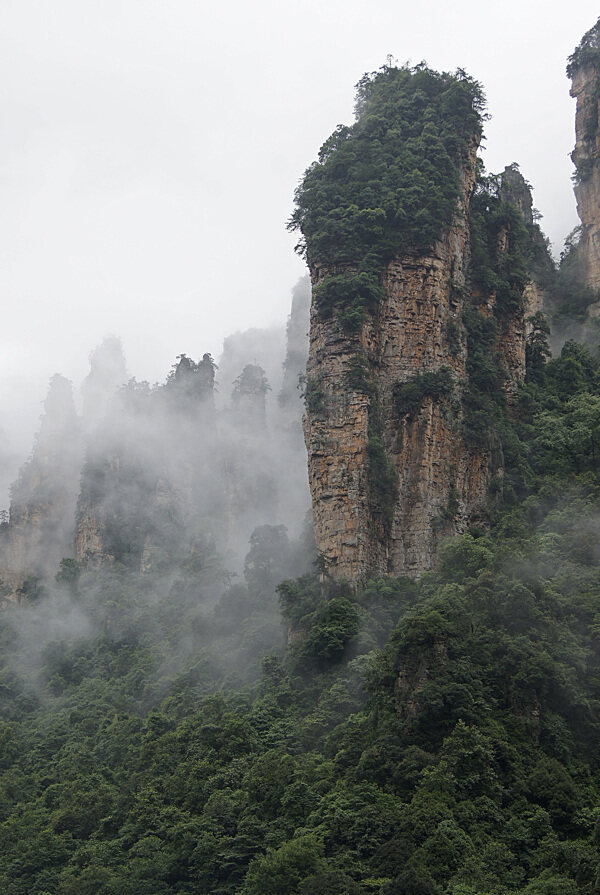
{"points": [[398, 425], [584, 71]]}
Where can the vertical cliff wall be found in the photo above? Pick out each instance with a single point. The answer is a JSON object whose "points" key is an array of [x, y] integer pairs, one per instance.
{"points": [[107, 373], [584, 71], [525, 266], [39, 532], [296, 355], [403, 374], [415, 332]]}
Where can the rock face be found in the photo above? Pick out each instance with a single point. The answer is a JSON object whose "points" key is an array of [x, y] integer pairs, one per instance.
{"points": [[514, 328], [584, 71], [391, 469], [408, 335], [107, 373], [294, 365], [39, 532]]}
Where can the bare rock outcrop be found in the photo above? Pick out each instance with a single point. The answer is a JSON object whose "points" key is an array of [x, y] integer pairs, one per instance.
{"points": [[515, 327]]}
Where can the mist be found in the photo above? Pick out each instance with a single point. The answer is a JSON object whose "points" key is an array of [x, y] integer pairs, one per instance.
{"points": [[150, 154], [186, 498]]}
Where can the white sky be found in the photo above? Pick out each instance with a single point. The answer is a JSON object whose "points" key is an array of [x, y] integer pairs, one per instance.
{"points": [[150, 150]]}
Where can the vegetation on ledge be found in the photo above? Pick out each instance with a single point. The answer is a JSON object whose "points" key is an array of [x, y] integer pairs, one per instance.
{"points": [[587, 51], [387, 184], [410, 393]]}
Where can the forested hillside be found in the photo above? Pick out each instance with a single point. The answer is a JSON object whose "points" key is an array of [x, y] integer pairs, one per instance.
{"points": [[413, 737], [177, 728]]}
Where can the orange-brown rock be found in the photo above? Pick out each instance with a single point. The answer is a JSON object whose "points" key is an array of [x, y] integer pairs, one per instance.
{"points": [[39, 532], [416, 329], [516, 327], [586, 157], [442, 477]]}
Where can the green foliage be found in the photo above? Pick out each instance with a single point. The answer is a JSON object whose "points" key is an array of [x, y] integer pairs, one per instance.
{"points": [[569, 297], [590, 128], [334, 623], [323, 623], [506, 251], [537, 349], [499, 266], [251, 381], [313, 393], [354, 294], [587, 52], [267, 559], [284, 869], [453, 336], [359, 377], [450, 511], [410, 393], [387, 184], [69, 573], [298, 598], [188, 379], [415, 736], [383, 478], [484, 400]]}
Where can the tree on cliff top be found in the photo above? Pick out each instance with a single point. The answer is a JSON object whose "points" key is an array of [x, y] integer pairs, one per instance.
{"points": [[587, 51], [387, 184]]}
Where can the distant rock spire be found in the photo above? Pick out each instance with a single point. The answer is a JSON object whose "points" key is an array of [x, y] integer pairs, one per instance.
{"points": [[193, 382], [296, 353], [249, 394], [108, 372], [59, 425], [40, 531]]}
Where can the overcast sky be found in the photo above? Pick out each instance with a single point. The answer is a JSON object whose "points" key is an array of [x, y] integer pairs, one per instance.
{"points": [[150, 151]]}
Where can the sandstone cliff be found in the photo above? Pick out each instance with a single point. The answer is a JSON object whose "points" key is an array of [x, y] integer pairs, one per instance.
{"points": [[584, 71], [516, 326], [398, 456], [417, 329]]}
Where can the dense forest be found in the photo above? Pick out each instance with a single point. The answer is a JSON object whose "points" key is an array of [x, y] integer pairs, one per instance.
{"points": [[281, 732], [412, 737]]}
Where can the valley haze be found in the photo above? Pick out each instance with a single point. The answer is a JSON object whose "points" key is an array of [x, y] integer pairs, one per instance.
{"points": [[150, 151]]}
